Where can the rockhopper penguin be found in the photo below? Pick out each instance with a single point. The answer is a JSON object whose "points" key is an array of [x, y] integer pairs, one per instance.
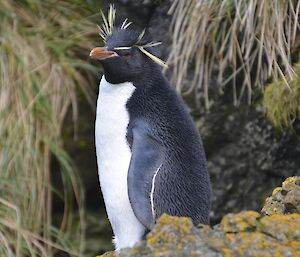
{"points": [[149, 153]]}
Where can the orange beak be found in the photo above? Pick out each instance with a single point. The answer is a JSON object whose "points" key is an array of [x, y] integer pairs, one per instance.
{"points": [[101, 53]]}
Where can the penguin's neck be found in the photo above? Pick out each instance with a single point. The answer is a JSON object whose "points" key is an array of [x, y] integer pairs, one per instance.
{"points": [[146, 78], [150, 79]]}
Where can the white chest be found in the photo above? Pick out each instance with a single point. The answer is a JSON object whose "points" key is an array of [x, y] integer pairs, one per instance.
{"points": [[113, 158], [113, 153]]}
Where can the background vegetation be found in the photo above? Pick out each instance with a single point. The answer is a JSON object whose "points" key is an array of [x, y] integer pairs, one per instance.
{"points": [[45, 76], [237, 43], [282, 102], [43, 49]]}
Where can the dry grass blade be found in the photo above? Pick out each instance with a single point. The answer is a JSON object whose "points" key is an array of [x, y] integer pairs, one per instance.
{"points": [[39, 75], [246, 41]]}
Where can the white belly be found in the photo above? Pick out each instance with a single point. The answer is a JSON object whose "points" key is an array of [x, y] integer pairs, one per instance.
{"points": [[113, 158]]}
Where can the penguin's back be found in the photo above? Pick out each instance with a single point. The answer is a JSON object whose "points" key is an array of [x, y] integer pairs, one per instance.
{"points": [[181, 186]]}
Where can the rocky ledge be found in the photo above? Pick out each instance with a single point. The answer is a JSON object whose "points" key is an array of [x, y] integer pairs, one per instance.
{"points": [[273, 232]]}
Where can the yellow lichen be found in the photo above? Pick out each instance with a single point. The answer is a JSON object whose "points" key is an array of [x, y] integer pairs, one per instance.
{"points": [[245, 242], [294, 244], [242, 221], [230, 236], [227, 252], [182, 224], [276, 190], [289, 181], [284, 250], [108, 254], [283, 227], [179, 246], [189, 238]]}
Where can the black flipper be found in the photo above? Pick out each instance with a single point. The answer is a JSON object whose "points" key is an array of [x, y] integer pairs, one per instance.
{"points": [[147, 156]]}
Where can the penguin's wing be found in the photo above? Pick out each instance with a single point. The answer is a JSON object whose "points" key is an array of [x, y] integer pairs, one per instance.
{"points": [[146, 159]]}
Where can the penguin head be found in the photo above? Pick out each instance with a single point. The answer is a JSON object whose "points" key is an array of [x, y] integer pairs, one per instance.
{"points": [[127, 54], [121, 59]]}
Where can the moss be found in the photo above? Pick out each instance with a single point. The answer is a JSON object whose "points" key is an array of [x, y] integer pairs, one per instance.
{"points": [[282, 102]]}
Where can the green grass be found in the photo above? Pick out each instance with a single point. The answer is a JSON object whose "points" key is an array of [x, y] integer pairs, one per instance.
{"points": [[42, 45], [241, 43]]}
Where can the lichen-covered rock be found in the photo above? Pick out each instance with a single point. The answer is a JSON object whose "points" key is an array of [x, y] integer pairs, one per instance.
{"points": [[247, 233], [108, 254], [174, 237], [239, 235], [285, 199], [241, 222]]}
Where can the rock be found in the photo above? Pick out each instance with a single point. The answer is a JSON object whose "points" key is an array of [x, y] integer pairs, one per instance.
{"points": [[247, 157], [243, 234], [285, 199], [108, 254], [241, 222]]}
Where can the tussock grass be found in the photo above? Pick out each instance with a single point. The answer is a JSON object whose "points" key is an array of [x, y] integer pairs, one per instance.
{"points": [[235, 41], [40, 42], [282, 103]]}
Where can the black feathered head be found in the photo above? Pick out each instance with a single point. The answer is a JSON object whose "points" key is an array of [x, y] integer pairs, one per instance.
{"points": [[127, 53]]}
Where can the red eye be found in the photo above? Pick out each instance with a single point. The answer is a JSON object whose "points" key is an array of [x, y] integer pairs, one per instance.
{"points": [[126, 56]]}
